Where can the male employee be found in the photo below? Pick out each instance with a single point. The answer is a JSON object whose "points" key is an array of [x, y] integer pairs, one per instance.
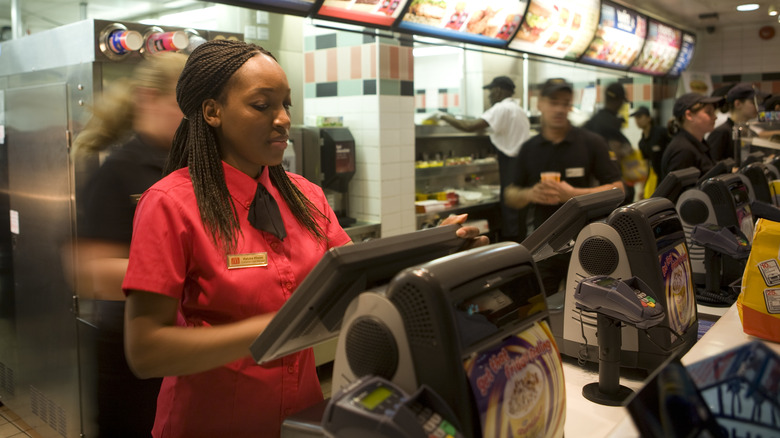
{"points": [[652, 145], [581, 157], [510, 128], [607, 123]]}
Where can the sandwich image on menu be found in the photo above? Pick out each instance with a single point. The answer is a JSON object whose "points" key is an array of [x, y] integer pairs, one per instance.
{"points": [[537, 20], [557, 28]]}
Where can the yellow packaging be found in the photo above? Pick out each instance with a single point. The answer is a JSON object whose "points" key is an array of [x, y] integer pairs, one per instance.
{"points": [[759, 300]]}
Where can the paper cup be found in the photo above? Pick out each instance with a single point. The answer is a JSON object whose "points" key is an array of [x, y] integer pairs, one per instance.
{"points": [[525, 400], [551, 176]]}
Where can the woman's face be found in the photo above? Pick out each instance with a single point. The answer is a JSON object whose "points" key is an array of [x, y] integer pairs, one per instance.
{"points": [[746, 108], [702, 121], [252, 118]]}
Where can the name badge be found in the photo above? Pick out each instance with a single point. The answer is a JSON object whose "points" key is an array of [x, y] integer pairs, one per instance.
{"points": [[236, 261], [575, 172]]}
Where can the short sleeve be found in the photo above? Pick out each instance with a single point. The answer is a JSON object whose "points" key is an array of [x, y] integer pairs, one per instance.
{"points": [[605, 169], [160, 245]]}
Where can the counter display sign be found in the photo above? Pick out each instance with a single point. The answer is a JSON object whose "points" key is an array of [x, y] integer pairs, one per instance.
{"points": [[382, 13], [518, 385], [660, 51], [619, 38], [471, 21], [557, 28], [685, 56]]}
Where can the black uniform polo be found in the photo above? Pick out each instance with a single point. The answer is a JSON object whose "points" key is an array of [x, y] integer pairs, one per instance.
{"points": [[108, 201], [582, 158], [685, 151], [653, 146], [721, 142]]}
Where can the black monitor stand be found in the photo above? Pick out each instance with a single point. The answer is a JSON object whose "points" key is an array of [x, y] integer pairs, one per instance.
{"points": [[608, 391]]}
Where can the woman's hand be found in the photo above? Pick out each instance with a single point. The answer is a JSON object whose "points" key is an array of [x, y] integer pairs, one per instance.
{"points": [[466, 232]]}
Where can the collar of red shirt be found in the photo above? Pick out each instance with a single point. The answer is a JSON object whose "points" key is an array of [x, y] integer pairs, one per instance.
{"points": [[243, 187]]}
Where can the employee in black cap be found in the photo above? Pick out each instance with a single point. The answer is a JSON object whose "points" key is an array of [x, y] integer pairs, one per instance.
{"points": [[741, 107], [607, 123], [510, 128], [581, 158], [652, 145], [694, 116]]}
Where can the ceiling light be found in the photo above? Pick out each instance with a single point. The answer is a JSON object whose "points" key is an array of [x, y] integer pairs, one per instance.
{"points": [[772, 11], [747, 7]]}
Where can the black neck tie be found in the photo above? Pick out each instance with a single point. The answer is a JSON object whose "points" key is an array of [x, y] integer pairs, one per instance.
{"points": [[264, 214]]}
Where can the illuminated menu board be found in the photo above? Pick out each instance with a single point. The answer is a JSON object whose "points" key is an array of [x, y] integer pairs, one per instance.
{"points": [[293, 7], [685, 56], [381, 13], [619, 38], [661, 48], [472, 21], [557, 28]]}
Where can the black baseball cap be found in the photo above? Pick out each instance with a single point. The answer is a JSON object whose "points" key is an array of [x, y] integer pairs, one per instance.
{"points": [[688, 100], [641, 111], [615, 90], [742, 91], [554, 85], [771, 102], [501, 82]]}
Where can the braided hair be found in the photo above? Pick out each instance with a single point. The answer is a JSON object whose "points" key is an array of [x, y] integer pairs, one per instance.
{"points": [[208, 70]]}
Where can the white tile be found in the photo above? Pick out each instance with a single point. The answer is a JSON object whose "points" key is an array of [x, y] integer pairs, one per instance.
{"points": [[389, 154], [391, 171], [373, 206], [391, 205], [370, 138], [344, 62], [320, 66], [391, 188]]}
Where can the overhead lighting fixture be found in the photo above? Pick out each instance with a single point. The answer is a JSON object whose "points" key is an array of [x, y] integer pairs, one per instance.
{"points": [[772, 11], [747, 7]]}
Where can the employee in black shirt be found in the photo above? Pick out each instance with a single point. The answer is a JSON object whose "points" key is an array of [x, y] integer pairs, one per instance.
{"points": [[741, 107], [581, 157], [694, 116], [652, 144]]}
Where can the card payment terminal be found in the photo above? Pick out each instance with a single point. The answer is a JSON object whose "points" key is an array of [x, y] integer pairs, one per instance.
{"points": [[375, 407]]}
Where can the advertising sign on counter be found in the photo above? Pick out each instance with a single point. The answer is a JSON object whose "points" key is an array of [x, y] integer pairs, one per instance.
{"points": [[518, 385], [661, 48], [619, 38], [375, 12], [557, 28], [471, 21], [685, 56]]}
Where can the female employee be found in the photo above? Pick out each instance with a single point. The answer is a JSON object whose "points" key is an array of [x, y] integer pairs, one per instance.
{"points": [[219, 246], [694, 116], [741, 106]]}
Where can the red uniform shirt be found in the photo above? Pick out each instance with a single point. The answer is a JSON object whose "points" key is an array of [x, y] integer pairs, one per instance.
{"points": [[173, 254]]}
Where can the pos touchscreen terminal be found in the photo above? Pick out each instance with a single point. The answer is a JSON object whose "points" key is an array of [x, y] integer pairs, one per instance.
{"points": [[473, 328]]}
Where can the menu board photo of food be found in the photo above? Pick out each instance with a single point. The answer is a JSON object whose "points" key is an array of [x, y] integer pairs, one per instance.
{"points": [[377, 12], [685, 56], [472, 21], [660, 50], [557, 28], [619, 38]]}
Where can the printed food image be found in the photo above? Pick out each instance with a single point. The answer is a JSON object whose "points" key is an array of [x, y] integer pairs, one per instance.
{"points": [[537, 20], [553, 39], [523, 391], [566, 42], [576, 21], [563, 16], [428, 12], [366, 2], [480, 22]]}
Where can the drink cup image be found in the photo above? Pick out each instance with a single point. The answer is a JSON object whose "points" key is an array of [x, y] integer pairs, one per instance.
{"points": [[525, 402], [551, 176]]}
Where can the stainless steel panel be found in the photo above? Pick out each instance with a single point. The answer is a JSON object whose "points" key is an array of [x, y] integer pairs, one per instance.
{"points": [[40, 191], [67, 45]]}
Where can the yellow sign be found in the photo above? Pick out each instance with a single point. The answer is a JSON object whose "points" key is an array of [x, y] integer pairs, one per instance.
{"points": [[236, 261]]}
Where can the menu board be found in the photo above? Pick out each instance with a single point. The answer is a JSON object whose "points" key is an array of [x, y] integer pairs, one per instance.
{"points": [[619, 38], [471, 21], [661, 48], [381, 13], [557, 28], [685, 56], [293, 7]]}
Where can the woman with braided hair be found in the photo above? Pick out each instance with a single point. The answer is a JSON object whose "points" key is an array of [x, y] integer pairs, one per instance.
{"points": [[219, 244]]}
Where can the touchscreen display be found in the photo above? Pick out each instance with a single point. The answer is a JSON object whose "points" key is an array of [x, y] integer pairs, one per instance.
{"points": [[678, 288]]}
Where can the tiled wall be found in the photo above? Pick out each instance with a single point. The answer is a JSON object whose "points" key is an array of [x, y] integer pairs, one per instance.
{"points": [[368, 81], [732, 50]]}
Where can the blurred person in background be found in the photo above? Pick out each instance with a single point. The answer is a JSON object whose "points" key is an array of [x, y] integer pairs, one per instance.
{"points": [[134, 122], [581, 159], [694, 116], [607, 123], [510, 128], [652, 145]]}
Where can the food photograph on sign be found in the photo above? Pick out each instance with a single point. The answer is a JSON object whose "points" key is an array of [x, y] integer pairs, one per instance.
{"points": [[379, 12], [660, 51], [465, 20], [619, 38], [560, 28]]}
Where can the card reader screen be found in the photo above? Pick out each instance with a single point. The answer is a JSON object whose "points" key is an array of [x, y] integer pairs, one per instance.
{"points": [[375, 397]]}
